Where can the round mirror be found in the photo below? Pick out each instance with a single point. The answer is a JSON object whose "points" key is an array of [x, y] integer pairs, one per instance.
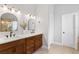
{"points": [[8, 22]]}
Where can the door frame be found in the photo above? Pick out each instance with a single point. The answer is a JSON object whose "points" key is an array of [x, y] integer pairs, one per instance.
{"points": [[75, 33]]}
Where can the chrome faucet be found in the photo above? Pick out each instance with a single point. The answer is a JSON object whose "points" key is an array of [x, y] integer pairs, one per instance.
{"points": [[11, 34]]}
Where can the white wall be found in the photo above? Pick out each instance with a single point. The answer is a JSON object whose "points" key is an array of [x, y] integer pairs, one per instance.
{"points": [[59, 11], [51, 25], [25, 8], [42, 13]]}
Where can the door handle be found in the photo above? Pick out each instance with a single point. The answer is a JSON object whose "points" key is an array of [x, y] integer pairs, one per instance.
{"points": [[63, 32]]}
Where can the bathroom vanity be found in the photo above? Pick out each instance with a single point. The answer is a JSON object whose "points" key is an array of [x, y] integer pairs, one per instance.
{"points": [[15, 23], [21, 44]]}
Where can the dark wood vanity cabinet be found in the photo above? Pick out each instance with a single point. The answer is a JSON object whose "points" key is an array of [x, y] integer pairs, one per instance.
{"points": [[8, 48], [38, 41], [22, 46], [33, 43], [11, 50], [29, 46]]}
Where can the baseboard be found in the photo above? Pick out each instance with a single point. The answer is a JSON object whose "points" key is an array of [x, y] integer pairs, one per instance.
{"points": [[49, 46], [57, 43], [44, 46]]}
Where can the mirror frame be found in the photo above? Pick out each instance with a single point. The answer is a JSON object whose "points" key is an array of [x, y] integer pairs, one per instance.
{"points": [[16, 19]]}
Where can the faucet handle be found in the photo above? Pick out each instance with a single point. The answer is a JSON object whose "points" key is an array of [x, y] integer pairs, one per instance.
{"points": [[11, 32], [14, 35], [6, 36]]}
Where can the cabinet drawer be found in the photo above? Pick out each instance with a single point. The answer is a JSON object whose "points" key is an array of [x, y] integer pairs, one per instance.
{"points": [[38, 40], [38, 36], [38, 43], [29, 50], [20, 49], [37, 46], [19, 42], [29, 42], [7, 45], [11, 50]]}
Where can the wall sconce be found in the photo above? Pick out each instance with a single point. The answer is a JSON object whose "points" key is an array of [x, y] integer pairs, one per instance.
{"points": [[5, 7], [12, 10], [2, 22]]}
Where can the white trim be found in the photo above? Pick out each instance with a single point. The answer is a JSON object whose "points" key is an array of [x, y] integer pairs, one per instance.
{"points": [[49, 46], [58, 43], [44, 46], [76, 32]]}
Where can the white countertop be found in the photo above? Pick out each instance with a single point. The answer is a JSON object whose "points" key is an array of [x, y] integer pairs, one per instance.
{"points": [[17, 37]]}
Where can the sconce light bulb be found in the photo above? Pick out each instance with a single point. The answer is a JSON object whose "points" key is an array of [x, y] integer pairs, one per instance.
{"points": [[29, 16], [19, 12], [2, 22], [12, 10]]}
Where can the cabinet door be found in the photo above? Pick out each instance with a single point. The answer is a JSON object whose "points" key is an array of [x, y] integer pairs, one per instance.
{"points": [[29, 45], [8, 48], [38, 41], [20, 47], [11, 50]]}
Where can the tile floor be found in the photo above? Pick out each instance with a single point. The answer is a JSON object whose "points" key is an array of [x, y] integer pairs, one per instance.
{"points": [[56, 49], [42, 51]]}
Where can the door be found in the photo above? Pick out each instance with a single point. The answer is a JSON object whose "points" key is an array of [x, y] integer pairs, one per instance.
{"points": [[68, 29]]}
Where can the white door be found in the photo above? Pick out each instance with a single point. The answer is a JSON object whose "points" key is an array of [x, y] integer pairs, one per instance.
{"points": [[68, 23]]}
